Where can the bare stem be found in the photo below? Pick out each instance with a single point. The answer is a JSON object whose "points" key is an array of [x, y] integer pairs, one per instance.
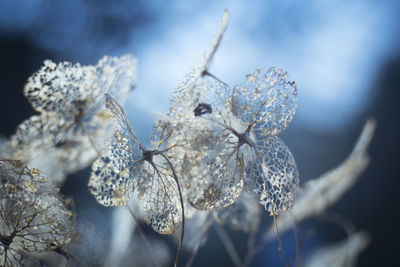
{"points": [[279, 241], [299, 242], [183, 210]]}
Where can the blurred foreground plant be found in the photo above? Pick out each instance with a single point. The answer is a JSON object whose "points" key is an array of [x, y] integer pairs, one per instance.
{"points": [[33, 216]]}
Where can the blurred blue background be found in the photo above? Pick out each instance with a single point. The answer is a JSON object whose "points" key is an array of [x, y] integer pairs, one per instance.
{"points": [[343, 55]]}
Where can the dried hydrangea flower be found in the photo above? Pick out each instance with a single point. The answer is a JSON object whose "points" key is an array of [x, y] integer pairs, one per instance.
{"points": [[229, 139], [187, 104], [72, 125], [33, 216], [129, 166], [216, 130]]}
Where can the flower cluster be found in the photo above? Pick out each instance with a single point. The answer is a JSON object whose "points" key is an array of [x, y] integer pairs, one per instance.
{"points": [[214, 142], [72, 124]]}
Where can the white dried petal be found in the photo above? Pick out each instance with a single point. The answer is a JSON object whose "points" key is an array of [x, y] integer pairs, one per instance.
{"points": [[111, 180], [159, 196], [267, 99], [272, 174]]}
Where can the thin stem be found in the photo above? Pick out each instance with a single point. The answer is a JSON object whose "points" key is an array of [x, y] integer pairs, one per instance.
{"points": [[205, 72], [144, 238], [279, 241], [299, 243], [227, 242], [68, 256], [183, 210]]}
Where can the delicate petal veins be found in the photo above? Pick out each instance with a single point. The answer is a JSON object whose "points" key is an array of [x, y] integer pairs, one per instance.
{"points": [[272, 175], [268, 101], [159, 196]]}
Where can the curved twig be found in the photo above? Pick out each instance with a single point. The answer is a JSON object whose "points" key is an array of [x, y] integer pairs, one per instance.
{"points": [[183, 210]]}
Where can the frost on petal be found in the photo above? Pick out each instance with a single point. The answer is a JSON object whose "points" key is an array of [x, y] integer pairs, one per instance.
{"points": [[344, 253], [122, 122], [243, 215], [33, 217], [319, 194], [159, 196], [267, 99], [221, 30], [272, 174], [111, 180]]}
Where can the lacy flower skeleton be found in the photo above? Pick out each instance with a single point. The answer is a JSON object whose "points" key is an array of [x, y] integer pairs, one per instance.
{"points": [[127, 166], [223, 138], [228, 135], [73, 124]]}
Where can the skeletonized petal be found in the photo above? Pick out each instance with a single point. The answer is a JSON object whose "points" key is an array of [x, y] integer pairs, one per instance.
{"points": [[112, 178], [55, 86], [272, 174], [159, 196], [268, 99]]}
